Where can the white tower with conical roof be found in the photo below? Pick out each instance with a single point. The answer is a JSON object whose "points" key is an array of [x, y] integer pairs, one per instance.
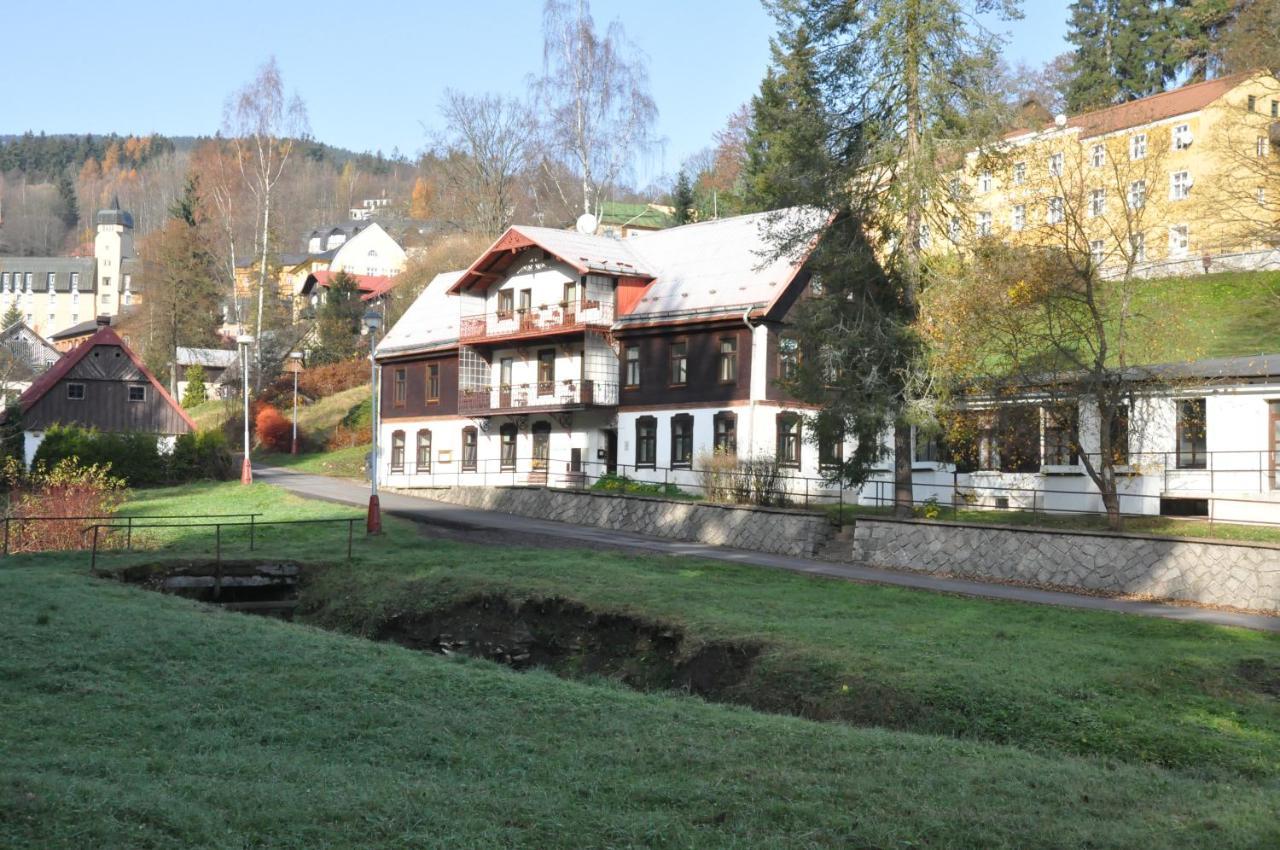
{"points": [[111, 247]]}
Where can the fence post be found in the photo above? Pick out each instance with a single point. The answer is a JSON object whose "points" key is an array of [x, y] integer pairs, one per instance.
{"points": [[128, 536], [251, 530], [217, 555], [840, 516], [6, 535], [93, 558], [350, 531]]}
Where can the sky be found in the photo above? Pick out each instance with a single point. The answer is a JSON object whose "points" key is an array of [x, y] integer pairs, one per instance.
{"points": [[371, 73]]}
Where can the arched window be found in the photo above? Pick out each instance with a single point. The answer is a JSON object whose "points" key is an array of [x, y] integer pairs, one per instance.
{"points": [[507, 438], [397, 451], [423, 461], [469, 447]]}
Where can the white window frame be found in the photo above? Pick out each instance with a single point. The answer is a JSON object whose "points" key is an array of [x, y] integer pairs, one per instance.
{"points": [[1137, 194], [984, 224], [143, 391], [1181, 137], [1138, 247], [1098, 156], [1019, 173], [1056, 161], [1019, 217], [1138, 146], [984, 182], [1179, 240], [1097, 203], [1262, 147], [1055, 213], [1180, 185], [954, 228], [1097, 251]]}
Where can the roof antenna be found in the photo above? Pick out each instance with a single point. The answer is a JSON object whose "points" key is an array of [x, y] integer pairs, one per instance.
{"points": [[587, 224]]}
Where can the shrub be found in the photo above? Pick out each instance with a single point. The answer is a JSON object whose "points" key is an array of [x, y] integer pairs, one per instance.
{"points": [[354, 429], [273, 431], [195, 392], [200, 456], [133, 457], [322, 381], [67, 489], [718, 471], [613, 483], [751, 481]]}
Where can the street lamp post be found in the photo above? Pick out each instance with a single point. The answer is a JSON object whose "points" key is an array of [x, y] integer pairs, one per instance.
{"points": [[246, 467], [369, 324], [295, 366]]}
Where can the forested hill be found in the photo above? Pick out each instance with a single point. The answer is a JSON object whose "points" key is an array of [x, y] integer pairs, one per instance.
{"points": [[43, 158]]}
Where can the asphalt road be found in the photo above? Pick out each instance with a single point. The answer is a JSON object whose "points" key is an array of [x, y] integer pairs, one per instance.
{"points": [[424, 510]]}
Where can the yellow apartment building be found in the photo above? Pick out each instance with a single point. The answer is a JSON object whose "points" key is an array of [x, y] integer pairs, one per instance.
{"points": [[1181, 182]]}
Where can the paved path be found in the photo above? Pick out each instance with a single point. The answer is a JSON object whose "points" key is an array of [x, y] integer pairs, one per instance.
{"points": [[421, 509]]}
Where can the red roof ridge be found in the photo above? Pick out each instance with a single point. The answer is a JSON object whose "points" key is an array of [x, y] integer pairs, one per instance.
{"points": [[105, 335]]}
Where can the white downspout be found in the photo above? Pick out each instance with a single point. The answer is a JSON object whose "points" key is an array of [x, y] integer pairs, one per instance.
{"points": [[751, 416]]}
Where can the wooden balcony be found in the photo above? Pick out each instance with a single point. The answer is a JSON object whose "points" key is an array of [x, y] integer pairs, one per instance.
{"points": [[536, 322], [540, 396]]}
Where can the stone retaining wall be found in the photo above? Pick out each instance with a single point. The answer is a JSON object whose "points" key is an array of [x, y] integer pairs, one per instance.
{"points": [[1193, 570], [778, 532]]}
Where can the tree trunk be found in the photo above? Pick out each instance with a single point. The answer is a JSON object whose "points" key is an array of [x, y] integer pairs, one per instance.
{"points": [[903, 497], [1111, 501], [262, 285]]}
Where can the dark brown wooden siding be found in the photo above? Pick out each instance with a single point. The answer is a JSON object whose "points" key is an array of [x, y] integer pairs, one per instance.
{"points": [[703, 350], [106, 373], [772, 391], [415, 402]]}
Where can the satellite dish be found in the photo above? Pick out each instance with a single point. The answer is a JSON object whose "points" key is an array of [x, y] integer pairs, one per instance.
{"points": [[1060, 120], [587, 224]]}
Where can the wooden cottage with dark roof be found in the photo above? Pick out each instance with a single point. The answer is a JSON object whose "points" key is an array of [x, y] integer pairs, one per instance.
{"points": [[101, 384]]}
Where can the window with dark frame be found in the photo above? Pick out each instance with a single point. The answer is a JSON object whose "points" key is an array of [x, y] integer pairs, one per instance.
{"points": [[830, 450], [137, 393], [632, 362], [1061, 439], [788, 357], [541, 446], [726, 433], [397, 451], [679, 363], [398, 387], [422, 463], [1192, 435], [506, 302], [727, 367], [75, 392], [507, 446], [470, 444], [433, 382], [1120, 435], [647, 441], [546, 371], [788, 453], [682, 440], [526, 300]]}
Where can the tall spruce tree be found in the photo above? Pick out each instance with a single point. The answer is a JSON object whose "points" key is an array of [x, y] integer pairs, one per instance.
{"points": [[1124, 50], [682, 198], [901, 88], [11, 316]]}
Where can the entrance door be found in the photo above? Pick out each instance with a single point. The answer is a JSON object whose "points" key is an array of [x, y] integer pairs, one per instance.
{"points": [[611, 450], [541, 446], [1275, 444]]}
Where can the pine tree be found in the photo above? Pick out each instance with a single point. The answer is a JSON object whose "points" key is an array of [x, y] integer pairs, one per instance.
{"points": [[195, 392], [789, 136], [1124, 50], [70, 212], [682, 198], [11, 317], [338, 320]]}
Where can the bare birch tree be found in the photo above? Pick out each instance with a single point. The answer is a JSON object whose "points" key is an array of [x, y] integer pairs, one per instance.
{"points": [[594, 94], [263, 125]]}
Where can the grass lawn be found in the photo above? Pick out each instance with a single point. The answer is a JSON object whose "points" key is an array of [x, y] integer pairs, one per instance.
{"points": [[342, 463], [1056, 682], [1216, 315], [136, 720]]}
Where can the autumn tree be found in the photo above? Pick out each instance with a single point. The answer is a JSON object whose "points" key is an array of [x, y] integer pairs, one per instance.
{"points": [[482, 155], [598, 114], [338, 320], [196, 392], [264, 125], [900, 88]]}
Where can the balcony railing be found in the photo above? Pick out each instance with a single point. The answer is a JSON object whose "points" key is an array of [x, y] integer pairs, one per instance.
{"points": [[566, 316], [539, 395]]}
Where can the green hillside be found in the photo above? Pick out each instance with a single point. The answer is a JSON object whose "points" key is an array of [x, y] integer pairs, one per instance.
{"points": [[1214, 315]]}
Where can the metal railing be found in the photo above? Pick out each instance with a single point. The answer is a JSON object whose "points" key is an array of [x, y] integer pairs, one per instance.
{"points": [[937, 485], [537, 395], [102, 532], [543, 320], [129, 522]]}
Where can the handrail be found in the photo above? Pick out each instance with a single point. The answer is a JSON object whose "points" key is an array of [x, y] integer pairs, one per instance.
{"points": [[10, 518]]}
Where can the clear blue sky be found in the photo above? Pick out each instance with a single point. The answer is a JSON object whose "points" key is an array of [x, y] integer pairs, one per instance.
{"points": [[371, 73]]}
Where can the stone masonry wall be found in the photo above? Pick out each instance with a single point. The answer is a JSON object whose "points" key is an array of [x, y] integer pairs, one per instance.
{"points": [[1207, 572], [777, 532]]}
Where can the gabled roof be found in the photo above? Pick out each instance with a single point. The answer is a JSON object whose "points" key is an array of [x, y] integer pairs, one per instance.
{"points": [[1147, 110], [214, 358], [78, 329], [369, 286], [584, 252], [105, 335], [430, 322]]}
